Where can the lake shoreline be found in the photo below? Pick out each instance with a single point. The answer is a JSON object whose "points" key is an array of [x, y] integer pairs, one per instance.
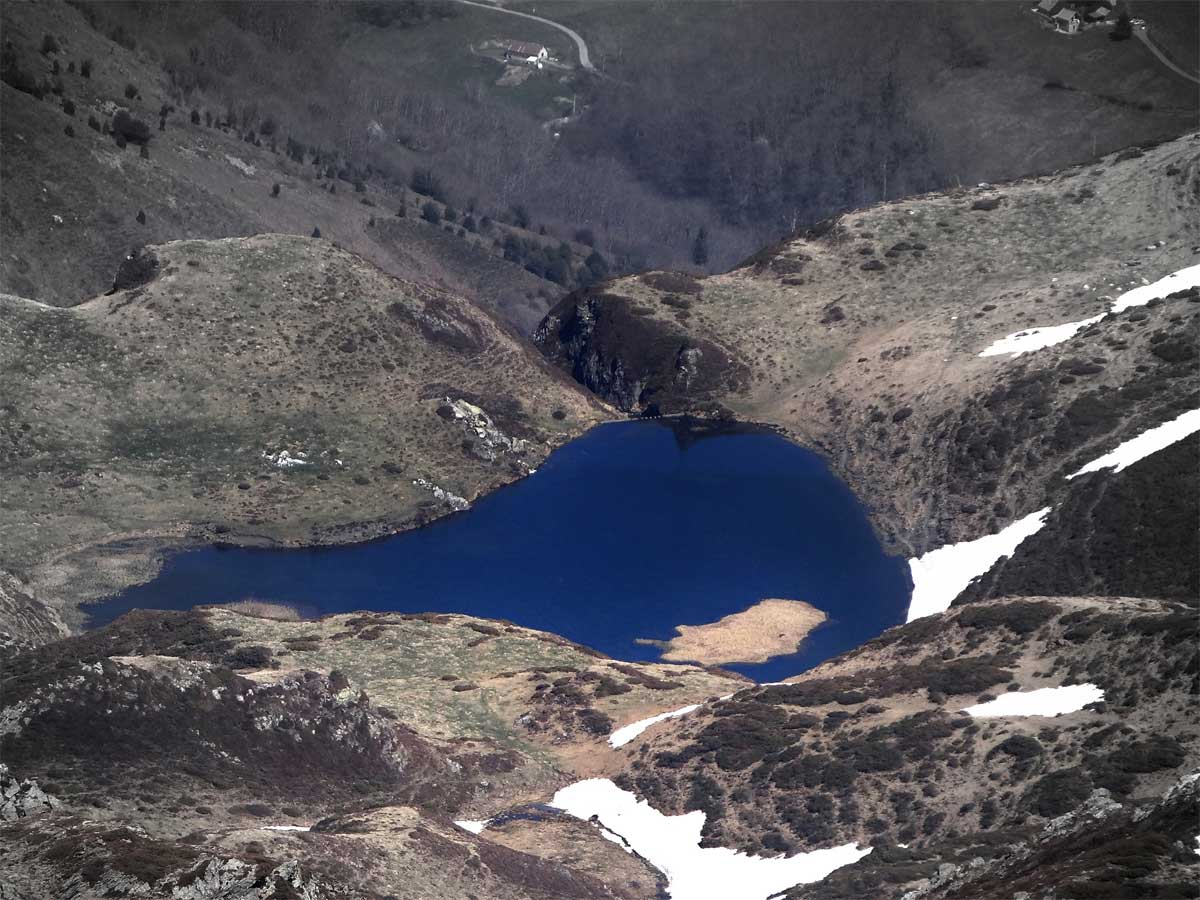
{"points": [[715, 527], [131, 559], [159, 544]]}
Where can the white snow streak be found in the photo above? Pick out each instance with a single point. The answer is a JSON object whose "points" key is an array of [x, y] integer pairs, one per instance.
{"points": [[1169, 284], [1054, 701], [627, 733], [1146, 443], [475, 826], [942, 574], [287, 827], [672, 845], [1037, 338]]}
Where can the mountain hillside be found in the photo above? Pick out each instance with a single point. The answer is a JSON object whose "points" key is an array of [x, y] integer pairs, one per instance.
{"points": [[1033, 745], [671, 156], [204, 728], [873, 745], [72, 201], [968, 361], [231, 755], [273, 389], [779, 113], [297, 314], [863, 336]]}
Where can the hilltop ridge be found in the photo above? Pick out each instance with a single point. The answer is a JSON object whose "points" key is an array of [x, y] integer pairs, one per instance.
{"points": [[273, 389]]}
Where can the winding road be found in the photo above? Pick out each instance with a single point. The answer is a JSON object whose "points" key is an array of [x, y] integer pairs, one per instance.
{"points": [[585, 60], [1140, 33]]}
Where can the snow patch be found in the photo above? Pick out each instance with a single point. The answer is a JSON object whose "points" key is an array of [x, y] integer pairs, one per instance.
{"points": [[1054, 701], [672, 845], [627, 733], [941, 575], [1038, 338], [1146, 443], [475, 826], [1169, 284], [287, 827]]}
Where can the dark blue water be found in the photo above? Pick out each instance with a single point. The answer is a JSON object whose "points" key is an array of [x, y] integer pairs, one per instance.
{"points": [[626, 532]]}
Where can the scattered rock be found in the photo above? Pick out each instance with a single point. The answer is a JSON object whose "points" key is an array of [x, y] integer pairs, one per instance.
{"points": [[19, 799], [987, 204], [138, 268]]}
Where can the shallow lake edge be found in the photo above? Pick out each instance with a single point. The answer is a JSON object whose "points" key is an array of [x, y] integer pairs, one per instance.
{"points": [[156, 549]]}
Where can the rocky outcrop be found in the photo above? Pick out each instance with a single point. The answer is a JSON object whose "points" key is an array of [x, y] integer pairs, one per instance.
{"points": [[138, 268], [219, 878], [23, 620], [21, 798], [66, 857], [615, 347], [482, 438]]}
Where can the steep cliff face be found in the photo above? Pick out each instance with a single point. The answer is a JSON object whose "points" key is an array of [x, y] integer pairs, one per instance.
{"points": [[20, 799], [23, 620], [865, 338], [617, 348]]}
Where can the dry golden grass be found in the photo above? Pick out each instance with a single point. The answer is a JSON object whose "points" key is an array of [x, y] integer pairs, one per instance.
{"points": [[264, 609], [768, 628]]}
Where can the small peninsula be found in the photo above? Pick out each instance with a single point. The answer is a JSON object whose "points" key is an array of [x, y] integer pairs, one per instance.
{"points": [[770, 628]]}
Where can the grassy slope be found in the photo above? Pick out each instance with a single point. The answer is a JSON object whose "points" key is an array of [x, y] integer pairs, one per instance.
{"points": [[1000, 121], [447, 54], [149, 411], [479, 686], [1172, 25], [385, 726]]}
